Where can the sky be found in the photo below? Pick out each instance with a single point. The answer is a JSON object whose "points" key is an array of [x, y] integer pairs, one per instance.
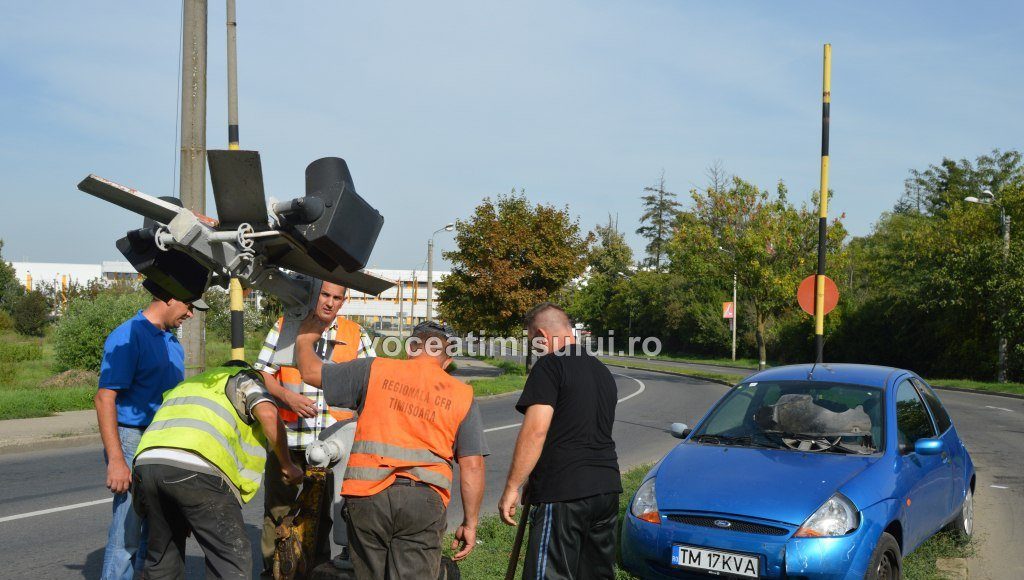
{"points": [[437, 105]]}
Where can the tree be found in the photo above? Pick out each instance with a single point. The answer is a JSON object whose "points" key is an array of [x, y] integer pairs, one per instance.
{"points": [[31, 314], [608, 262], [941, 187], [660, 211], [768, 243], [931, 288], [510, 256], [10, 288]]}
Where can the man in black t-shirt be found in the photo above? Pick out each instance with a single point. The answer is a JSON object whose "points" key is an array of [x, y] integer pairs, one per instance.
{"points": [[565, 446]]}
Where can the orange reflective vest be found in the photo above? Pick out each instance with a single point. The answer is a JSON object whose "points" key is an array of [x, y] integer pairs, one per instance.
{"points": [[407, 427], [346, 348]]}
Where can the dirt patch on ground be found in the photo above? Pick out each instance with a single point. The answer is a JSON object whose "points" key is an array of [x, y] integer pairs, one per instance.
{"points": [[72, 378]]}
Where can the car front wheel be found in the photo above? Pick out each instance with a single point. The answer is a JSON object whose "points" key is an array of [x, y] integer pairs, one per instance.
{"points": [[886, 562]]}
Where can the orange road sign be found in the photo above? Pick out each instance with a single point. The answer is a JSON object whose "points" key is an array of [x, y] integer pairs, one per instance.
{"points": [[805, 295]]}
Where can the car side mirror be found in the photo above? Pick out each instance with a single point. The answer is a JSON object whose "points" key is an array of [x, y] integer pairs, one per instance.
{"points": [[680, 430], [928, 446]]}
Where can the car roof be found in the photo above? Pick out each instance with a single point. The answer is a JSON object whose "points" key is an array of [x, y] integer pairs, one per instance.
{"points": [[868, 375]]}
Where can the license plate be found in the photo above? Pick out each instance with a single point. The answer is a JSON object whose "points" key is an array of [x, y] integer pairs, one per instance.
{"points": [[715, 562]]}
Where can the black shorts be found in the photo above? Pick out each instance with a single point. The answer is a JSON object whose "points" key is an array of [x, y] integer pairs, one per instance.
{"points": [[573, 539]]}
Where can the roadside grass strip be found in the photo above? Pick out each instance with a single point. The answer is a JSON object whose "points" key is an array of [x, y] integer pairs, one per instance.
{"points": [[725, 379], [498, 385], [921, 564], [489, 559]]}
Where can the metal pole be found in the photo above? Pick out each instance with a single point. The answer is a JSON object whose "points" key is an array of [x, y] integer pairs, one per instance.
{"points": [[819, 281], [232, 76], [192, 180], [401, 308], [1005, 219], [735, 313], [237, 304], [430, 278]]}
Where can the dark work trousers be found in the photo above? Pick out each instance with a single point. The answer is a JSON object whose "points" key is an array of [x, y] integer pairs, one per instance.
{"points": [[573, 540], [278, 500], [396, 534], [177, 500]]}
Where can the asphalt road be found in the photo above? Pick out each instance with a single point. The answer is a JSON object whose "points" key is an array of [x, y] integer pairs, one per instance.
{"points": [[69, 544]]}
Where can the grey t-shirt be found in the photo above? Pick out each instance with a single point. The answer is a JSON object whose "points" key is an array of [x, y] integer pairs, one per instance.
{"points": [[345, 384]]}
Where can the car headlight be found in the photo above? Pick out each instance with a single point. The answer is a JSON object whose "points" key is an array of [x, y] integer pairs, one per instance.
{"points": [[835, 517], [645, 506]]}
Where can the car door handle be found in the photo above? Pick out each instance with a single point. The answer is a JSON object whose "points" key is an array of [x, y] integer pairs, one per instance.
{"points": [[945, 457]]}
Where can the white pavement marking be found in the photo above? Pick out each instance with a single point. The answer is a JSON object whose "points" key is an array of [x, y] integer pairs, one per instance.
{"points": [[642, 388], [999, 486], [501, 428], [999, 408], [56, 509]]}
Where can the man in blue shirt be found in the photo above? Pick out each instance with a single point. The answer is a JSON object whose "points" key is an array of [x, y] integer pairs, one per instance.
{"points": [[142, 358]]}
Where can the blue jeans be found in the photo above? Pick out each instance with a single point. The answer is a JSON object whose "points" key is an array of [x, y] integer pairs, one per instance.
{"points": [[126, 541]]}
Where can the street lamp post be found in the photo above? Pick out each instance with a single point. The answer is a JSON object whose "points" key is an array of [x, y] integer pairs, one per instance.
{"points": [[735, 304], [734, 313], [430, 269], [988, 198]]}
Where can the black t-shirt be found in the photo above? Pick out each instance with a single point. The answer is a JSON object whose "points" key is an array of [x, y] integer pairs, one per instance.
{"points": [[578, 459]]}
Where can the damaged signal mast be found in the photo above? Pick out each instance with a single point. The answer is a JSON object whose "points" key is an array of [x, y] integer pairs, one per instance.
{"points": [[285, 249]]}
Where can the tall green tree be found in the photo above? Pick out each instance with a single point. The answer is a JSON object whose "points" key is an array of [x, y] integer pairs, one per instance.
{"points": [[509, 256], [932, 288], [10, 288], [767, 242], [938, 188], [656, 224], [609, 261]]}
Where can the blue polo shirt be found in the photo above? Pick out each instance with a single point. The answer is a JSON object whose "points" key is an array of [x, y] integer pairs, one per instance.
{"points": [[140, 362]]}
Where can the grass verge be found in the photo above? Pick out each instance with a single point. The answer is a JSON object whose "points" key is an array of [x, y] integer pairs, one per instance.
{"points": [[983, 386], [921, 563], [507, 366], [498, 385], [24, 395], [729, 379], [489, 559], [745, 363]]}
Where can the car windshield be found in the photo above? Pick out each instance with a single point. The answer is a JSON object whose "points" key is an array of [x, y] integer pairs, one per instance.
{"points": [[810, 416]]}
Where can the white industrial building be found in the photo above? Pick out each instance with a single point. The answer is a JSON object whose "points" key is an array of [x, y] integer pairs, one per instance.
{"points": [[405, 304]]}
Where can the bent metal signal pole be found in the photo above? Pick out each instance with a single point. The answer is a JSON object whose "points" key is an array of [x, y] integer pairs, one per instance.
{"points": [[819, 281]]}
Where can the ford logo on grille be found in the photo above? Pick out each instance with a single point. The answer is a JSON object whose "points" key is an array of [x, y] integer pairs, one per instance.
{"points": [[723, 523]]}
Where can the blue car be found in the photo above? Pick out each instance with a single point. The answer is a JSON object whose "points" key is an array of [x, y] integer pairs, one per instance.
{"points": [[804, 471]]}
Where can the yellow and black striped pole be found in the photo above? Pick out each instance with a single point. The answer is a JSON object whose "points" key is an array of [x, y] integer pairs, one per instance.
{"points": [[819, 281], [235, 286]]}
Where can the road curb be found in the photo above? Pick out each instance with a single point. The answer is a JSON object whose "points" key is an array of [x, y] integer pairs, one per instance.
{"points": [[979, 392], [13, 446], [673, 373], [686, 362]]}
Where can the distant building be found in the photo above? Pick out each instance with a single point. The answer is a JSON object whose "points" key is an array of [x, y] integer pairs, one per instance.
{"points": [[401, 306], [32, 275]]}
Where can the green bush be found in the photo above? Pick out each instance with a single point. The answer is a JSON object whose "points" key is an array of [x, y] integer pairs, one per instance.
{"points": [[218, 318], [6, 322], [31, 314], [79, 337], [16, 352]]}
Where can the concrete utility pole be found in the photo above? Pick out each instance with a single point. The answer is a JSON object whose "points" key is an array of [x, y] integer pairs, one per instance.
{"points": [[192, 181]]}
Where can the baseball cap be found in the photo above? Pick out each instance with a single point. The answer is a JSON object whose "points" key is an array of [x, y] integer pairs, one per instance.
{"points": [[433, 327]]}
